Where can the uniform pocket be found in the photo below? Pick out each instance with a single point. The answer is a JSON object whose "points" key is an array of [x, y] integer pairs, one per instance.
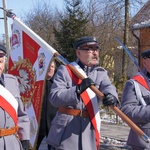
{"points": [[57, 129]]}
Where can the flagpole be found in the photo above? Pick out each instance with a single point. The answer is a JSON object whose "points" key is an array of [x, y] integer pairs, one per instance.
{"points": [[6, 28], [61, 59]]}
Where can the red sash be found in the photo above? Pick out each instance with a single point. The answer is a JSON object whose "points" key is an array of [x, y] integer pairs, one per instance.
{"points": [[87, 102], [141, 80], [9, 109]]}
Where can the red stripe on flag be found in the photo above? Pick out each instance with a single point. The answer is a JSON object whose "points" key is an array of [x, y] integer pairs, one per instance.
{"points": [[30, 48], [9, 109], [37, 99]]}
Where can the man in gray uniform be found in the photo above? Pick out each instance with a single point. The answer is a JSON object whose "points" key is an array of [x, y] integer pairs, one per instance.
{"points": [[136, 104], [14, 124], [76, 125]]}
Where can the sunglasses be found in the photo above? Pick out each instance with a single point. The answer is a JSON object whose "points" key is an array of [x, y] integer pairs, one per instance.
{"points": [[90, 49]]}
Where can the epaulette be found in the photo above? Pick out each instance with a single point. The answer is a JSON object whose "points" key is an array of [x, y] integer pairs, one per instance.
{"points": [[100, 69]]}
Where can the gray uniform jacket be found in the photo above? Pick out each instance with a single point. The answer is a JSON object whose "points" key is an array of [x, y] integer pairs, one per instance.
{"points": [[69, 132], [11, 142], [137, 112]]}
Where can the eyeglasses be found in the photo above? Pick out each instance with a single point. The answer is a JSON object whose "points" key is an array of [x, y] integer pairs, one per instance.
{"points": [[90, 49]]}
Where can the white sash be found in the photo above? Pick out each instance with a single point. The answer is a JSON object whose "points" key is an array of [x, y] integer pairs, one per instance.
{"points": [[138, 93], [9, 97]]}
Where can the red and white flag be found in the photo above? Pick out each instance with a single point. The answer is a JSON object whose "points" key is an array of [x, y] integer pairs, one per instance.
{"points": [[29, 60]]}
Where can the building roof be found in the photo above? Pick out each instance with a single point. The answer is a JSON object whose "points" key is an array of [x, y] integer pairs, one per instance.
{"points": [[142, 18]]}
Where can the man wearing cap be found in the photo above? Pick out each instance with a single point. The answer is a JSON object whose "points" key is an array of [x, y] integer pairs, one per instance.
{"points": [[76, 125], [14, 123], [136, 103]]}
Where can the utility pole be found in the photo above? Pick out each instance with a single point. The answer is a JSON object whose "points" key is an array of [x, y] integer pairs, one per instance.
{"points": [[126, 41], [6, 28]]}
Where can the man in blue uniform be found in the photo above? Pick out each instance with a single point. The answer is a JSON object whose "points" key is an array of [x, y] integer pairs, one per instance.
{"points": [[77, 122], [14, 124], [136, 104]]}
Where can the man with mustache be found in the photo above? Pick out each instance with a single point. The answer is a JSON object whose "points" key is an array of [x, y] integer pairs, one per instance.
{"points": [[77, 122]]}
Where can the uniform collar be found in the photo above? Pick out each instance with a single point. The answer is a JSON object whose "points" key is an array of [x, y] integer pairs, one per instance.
{"points": [[85, 68]]}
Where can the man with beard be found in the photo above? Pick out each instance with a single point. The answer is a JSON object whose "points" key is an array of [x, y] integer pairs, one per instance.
{"points": [[77, 122]]}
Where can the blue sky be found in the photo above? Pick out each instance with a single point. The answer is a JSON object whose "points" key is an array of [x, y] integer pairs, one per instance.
{"points": [[19, 7]]}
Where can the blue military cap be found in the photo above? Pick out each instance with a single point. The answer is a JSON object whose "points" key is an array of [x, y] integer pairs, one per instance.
{"points": [[88, 40], [2, 50], [146, 54]]}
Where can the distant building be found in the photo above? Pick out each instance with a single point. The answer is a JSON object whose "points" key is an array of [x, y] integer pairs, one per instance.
{"points": [[140, 26]]}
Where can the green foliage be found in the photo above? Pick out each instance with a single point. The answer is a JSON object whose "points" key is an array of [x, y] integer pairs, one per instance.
{"points": [[72, 26]]}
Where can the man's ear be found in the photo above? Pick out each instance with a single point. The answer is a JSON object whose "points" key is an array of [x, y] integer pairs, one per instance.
{"points": [[77, 52], [144, 63]]}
